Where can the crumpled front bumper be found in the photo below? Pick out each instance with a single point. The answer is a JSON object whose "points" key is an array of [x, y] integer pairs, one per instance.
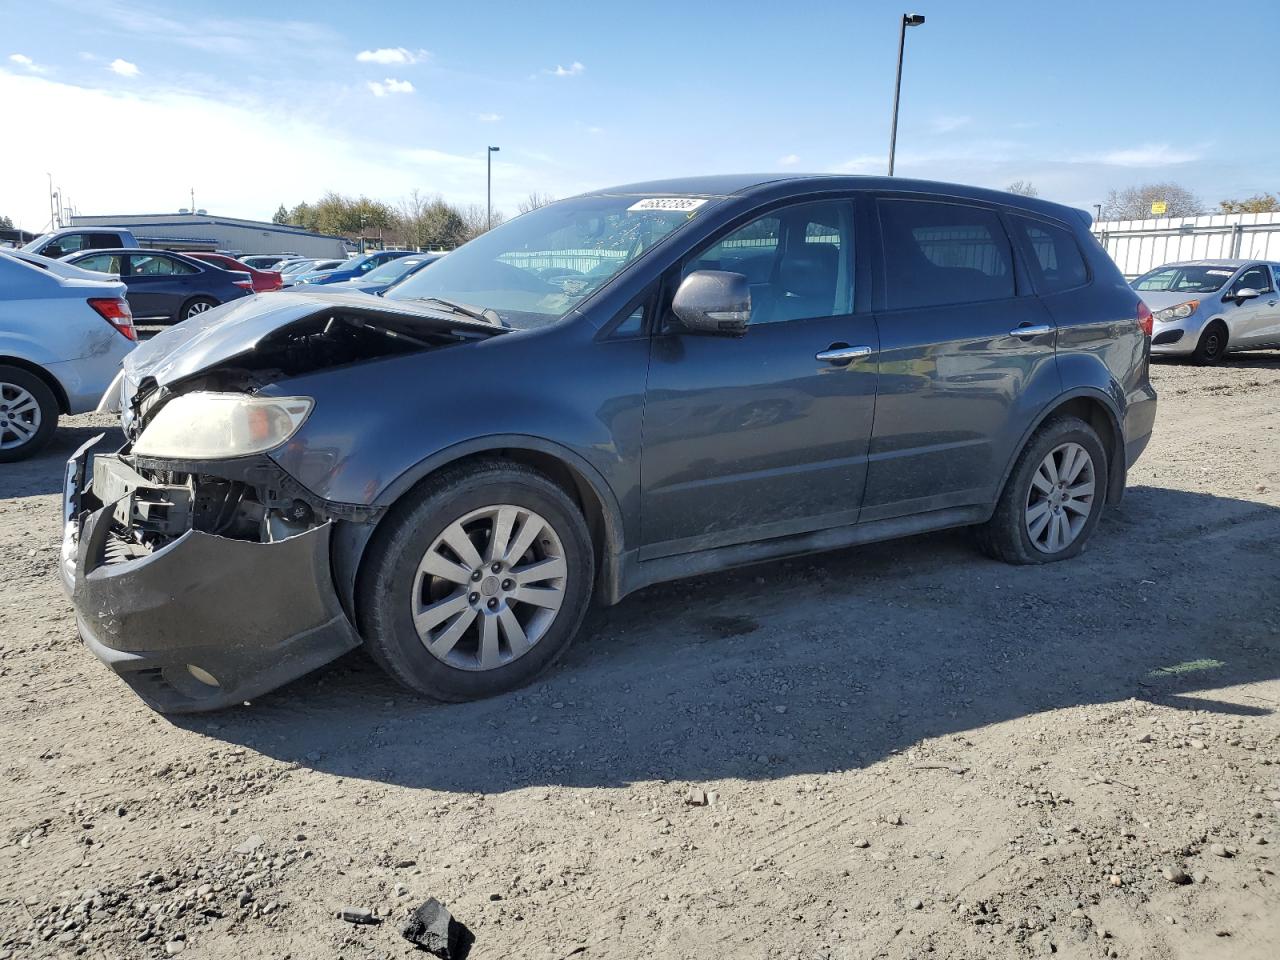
{"points": [[205, 621]]}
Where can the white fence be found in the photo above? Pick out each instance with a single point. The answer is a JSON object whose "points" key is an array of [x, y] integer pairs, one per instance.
{"points": [[1140, 245]]}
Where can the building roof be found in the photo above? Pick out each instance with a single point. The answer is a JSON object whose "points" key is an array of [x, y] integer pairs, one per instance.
{"points": [[131, 220]]}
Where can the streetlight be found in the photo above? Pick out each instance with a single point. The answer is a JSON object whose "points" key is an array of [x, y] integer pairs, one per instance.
{"points": [[908, 20], [363, 221], [489, 185]]}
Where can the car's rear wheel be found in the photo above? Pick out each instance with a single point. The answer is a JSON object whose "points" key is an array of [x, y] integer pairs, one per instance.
{"points": [[477, 583], [1213, 343], [28, 413], [196, 307], [1054, 497]]}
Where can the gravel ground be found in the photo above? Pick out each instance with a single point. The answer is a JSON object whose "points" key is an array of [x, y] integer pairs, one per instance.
{"points": [[905, 750]]}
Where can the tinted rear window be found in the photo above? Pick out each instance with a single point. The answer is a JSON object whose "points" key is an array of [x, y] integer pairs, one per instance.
{"points": [[1056, 259], [943, 253]]}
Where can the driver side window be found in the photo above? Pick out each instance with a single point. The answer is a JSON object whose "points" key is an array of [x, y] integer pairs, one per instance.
{"points": [[1258, 277], [798, 261]]}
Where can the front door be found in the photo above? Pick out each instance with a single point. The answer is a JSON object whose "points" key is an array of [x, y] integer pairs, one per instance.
{"points": [[764, 435], [962, 341], [1254, 322]]}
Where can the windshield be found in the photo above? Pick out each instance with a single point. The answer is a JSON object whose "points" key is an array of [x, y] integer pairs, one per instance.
{"points": [[535, 269], [394, 268], [1185, 279], [37, 242], [296, 266]]}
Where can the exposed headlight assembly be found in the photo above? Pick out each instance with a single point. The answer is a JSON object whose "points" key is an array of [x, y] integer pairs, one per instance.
{"points": [[216, 426], [1180, 312]]}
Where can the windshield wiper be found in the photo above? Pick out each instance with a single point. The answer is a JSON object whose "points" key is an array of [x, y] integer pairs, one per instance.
{"points": [[484, 315]]}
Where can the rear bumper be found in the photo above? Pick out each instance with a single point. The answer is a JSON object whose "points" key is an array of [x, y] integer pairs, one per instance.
{"points": [[205, 621], [1139, 420]]}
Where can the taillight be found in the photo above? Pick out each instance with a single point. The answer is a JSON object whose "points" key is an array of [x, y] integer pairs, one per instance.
{"points": [[1146, 322], [117, 313], [247, 284]]}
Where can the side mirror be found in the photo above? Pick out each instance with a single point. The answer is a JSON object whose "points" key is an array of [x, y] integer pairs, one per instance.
{"points": [[713, 301], [1241, 294]]}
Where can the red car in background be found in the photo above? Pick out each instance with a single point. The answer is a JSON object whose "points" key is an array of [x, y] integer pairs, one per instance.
{"points": [[263, 280]]}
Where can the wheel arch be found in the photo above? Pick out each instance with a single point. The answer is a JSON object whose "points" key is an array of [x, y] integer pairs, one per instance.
{"points": [[1096, 408], [578, 478], [59, 393]]}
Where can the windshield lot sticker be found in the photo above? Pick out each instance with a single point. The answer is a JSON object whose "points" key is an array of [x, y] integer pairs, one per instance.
{"points": [[1219, 273], [682, 204]]}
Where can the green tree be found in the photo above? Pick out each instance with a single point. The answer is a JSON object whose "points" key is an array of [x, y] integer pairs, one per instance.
{"points": [[1023, 188], [6, 223], [1258, 203], [281, 215]]}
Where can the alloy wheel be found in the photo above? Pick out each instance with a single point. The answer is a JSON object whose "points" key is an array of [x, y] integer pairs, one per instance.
{"points": [[200, 306], [1061, 498], [20, 417], [489, 587]]}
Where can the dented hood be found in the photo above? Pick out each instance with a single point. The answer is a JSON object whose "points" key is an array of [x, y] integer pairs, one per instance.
{"points": [[238, 327]]}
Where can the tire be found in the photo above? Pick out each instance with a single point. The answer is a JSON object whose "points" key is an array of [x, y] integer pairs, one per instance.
{"points": [[195, 306], [28, 414], [1012, 535], [398, 582], [1213, 344]]}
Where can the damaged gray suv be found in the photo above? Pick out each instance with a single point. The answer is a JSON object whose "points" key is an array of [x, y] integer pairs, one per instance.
{"points": [[626, 387]]}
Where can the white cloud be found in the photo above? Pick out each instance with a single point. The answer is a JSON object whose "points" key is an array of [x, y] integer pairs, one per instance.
{"points": [[124, 68], [949, 124], [22, 60], [790, 160], [1147, 155], [390, 86], [863, 163], [284, 147], [389, 55], [488, 117], [572, 70]]}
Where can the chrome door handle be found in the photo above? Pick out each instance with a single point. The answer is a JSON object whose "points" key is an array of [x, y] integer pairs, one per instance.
{"points": [[842, 354], [1037, 331]]}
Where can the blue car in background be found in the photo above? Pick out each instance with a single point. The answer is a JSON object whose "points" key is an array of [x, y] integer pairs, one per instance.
{"points": [[389, 274], [353, 268]]}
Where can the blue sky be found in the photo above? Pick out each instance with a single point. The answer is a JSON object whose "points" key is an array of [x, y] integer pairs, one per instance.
{"points": [[129, 104]]}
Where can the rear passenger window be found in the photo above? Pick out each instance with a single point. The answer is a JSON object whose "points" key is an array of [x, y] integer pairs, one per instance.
{"points": [[941, 253], [1056, 259]]}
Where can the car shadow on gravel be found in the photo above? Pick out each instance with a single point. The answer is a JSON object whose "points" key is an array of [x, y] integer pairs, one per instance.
{"points": [[43, 473], [1253, 360], [826, 663]]}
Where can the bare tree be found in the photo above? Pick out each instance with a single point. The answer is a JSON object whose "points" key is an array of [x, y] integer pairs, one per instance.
{"points": [[475, 219], [534, 201], [1023, 188], [1134, 203]]}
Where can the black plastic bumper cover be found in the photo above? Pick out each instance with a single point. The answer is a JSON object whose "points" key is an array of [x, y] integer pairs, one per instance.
{"points": [[250, 616]]}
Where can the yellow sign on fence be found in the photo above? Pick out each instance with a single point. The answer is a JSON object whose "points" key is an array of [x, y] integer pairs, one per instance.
{"points": [[1159, 207]]}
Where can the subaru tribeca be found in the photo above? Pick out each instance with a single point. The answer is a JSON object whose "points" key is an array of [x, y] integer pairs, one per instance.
{"points": [[625, 387]]}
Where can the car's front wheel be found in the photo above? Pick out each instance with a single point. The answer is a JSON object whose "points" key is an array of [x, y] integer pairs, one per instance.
{"points": [[476, 583], [28, 413], [1212, 345], [1053, 499]]}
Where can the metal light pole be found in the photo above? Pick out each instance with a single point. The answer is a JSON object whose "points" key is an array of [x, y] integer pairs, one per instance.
{"points": [[363, 220], [489, 186], [908, 20]]}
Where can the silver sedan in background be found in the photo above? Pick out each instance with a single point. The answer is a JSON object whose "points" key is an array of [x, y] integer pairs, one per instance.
{"points": [[1205, 309], [63, 333]]}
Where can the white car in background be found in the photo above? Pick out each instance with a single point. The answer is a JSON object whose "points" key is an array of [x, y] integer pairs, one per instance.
{"points": [[63, 333]]}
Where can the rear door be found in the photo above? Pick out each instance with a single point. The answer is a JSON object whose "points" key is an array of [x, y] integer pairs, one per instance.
{"points": [[762, 436], [967, 354], [158, 285]]}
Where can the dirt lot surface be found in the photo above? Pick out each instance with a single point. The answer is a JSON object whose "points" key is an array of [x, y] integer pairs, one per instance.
{"points": [[908, 750]]}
